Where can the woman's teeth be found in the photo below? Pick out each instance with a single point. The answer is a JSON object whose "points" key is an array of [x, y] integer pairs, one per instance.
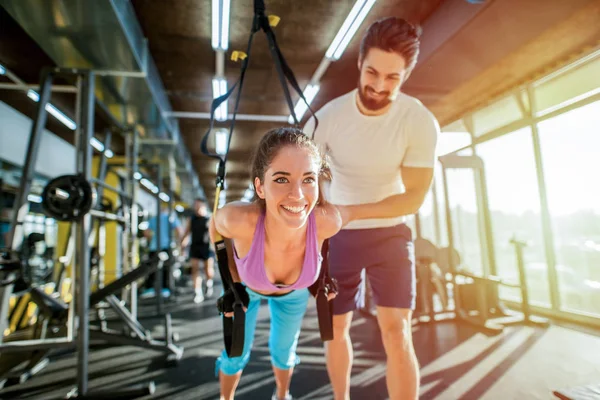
{"points": [[294, 210]]}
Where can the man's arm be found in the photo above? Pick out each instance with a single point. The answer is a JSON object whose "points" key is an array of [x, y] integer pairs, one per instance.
{"points": [[416, 183], [416, 171]]}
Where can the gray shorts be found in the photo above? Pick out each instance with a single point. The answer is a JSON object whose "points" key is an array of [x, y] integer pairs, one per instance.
{"points": [[388, 256]]}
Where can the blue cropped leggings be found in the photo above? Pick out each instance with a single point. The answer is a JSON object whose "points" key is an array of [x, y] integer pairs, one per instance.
{"points": [[286, 312]]}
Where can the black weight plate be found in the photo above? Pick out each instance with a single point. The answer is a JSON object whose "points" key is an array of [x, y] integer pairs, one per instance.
{"points": [[68, 198]]}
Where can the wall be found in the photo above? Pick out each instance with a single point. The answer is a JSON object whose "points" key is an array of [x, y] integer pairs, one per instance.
{"points": [[56, 156]]}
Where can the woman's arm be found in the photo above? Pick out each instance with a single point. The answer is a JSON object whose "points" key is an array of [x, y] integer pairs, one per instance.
{"points": [[329, 220], [235, 220], [335, 217]]}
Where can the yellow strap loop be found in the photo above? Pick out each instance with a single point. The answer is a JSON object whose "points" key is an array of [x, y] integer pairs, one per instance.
{"points": [[238, 55], [274, 20], [218, 236]]}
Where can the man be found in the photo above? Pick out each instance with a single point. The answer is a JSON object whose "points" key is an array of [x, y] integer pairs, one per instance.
{"points": [[167, 222], [200, 250], [381, 145]]}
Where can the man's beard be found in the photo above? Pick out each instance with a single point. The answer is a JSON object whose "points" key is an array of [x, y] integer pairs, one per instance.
{"points": [[370, 103]]}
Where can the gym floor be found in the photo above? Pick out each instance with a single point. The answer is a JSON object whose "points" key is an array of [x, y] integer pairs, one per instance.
{"points": [[456, 361]]}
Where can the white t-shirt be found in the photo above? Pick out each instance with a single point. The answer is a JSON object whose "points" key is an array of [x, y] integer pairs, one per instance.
{"points": [[366, 152]]}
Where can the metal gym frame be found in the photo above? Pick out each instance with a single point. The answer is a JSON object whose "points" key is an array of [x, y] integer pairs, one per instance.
{"points": [[158, 175], [488, 283], [82, 299]]}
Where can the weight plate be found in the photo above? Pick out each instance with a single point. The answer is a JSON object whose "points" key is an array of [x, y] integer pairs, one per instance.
{"points": [[68, 198]]}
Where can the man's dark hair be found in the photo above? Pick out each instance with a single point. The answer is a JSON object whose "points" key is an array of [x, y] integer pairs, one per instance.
{"points": [[393, 34]]}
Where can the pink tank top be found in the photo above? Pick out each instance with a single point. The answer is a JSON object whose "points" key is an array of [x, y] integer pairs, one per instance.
{"points": [[252, 267]]}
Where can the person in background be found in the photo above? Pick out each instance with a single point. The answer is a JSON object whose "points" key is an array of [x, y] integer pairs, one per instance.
{"points": [[201, 253], [162, 244]]}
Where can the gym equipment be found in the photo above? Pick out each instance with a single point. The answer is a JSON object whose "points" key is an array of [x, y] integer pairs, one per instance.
{"points": [[50, 315], [430, 281], [68, 198], [37, 268], [476, 298], [136, 335], [324, 285], [233, 328], [225, 302]]}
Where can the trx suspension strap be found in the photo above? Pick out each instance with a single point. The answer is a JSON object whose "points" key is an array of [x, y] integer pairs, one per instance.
{"points": [[235, 297], [324, 285]]}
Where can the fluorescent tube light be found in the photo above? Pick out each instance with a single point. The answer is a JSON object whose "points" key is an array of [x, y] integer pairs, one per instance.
{"points": [[219, 89], [222, 198], [309, 93], [221, 136], [224, 45], [248, 194], [66, 121], [98, 145], [149, 185], [33, 95], [164, 197], [34, 198], [220, 24], [349, 27]]}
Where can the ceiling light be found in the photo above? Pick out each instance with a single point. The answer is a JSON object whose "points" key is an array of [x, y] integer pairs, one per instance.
{"points": [[248, 194], [220, 24], [219, 89], [349, 27], [222, 198], [97, 144], [221, 136], [309, 94], [33, 95], [68, 122], [2, 70], [149, 185], [34, 198], [164, 197]]}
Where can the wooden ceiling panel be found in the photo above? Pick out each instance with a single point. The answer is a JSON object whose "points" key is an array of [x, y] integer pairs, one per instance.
{"points": [[502, 44], [470, 65]]}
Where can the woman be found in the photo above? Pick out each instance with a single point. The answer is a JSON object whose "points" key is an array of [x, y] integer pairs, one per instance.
{"points": [[277, 241]]}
